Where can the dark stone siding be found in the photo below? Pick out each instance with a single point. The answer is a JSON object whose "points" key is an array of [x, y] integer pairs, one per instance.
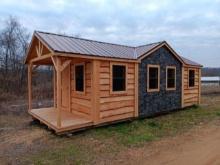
{"points": [[153, 103]]}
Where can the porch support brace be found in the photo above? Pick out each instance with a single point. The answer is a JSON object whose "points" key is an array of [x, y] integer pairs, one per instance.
{"points": [[59, 68], [30, 66], [57, 65]]}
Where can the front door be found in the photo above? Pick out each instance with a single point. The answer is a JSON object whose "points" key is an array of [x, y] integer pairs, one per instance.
{"points": [[65, 89]]}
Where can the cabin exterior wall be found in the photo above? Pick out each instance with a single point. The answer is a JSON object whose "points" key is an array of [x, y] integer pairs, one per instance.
{"points": [[114, 106], [81, 101], [111, 106], [152, 103], [191, 95]]}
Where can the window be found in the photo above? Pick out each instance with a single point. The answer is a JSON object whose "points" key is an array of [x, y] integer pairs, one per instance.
{"points": [[191, 78], [171, 78], [118, 78], [79, 78], [153, 78]]}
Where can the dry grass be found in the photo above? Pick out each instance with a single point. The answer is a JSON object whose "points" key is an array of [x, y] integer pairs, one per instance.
{"points": [[211, 90]]}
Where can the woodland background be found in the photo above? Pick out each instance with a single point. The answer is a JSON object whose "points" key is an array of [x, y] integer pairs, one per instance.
{"points": [[14, 41]]}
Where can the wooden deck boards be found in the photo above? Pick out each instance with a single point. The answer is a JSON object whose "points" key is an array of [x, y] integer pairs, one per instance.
{"points": [[69, 121]]}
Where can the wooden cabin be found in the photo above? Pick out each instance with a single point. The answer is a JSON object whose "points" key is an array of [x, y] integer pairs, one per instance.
{"points": [[97, 83]]}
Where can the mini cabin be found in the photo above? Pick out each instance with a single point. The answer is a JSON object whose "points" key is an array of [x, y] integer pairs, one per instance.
{"points": [[98, 83]]}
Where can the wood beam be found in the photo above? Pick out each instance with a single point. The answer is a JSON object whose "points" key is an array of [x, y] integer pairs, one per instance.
{"points": [[84, 56], [59, 67], [41, 57], [65, 64], [136, 89], [54, 88], [54, 60], [58, 63], [182, 89], [95, 91], [30, 65], [39, 49]]}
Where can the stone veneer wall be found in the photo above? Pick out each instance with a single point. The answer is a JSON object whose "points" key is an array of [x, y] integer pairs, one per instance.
{"points": [[152, 103]]}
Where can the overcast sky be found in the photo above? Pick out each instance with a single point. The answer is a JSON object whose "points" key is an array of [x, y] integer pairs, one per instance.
{"points": [[191, 27]]}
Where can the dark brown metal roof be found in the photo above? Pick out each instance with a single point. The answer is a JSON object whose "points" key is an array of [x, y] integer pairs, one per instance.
{"points": [[68, 44]]}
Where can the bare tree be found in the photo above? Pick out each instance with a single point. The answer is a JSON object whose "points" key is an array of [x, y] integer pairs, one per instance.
{"points": [[13, 45]]}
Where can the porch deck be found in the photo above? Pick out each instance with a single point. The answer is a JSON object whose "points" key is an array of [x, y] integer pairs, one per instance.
{"points": [[69, 121]]}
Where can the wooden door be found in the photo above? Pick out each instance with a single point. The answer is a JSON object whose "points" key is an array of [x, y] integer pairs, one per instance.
{"points": [[65, 89]]}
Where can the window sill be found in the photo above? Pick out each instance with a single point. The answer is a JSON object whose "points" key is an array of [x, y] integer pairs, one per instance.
{"points": [[112, 93], [79, 93], [194, 87], [170, 89], [153, 90]]}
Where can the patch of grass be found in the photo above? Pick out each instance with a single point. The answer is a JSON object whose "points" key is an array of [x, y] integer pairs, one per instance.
{"points": [[218, 113], [154, 124], [144, 130], [65, 155]]}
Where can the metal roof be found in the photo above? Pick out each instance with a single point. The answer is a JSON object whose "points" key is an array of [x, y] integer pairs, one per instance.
{"points": [[74, 45], [189, 62]]}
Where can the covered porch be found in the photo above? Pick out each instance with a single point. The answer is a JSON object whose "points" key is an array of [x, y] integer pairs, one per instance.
{"points": [[60, 117], [69, 121]]}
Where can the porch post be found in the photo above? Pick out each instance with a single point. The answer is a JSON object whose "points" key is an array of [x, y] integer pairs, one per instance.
{"points": [[30, 65], [58, 93], [59, 68], [54, 88]]}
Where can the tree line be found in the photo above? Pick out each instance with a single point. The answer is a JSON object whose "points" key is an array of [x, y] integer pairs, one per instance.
{"points": [[14, 41]]}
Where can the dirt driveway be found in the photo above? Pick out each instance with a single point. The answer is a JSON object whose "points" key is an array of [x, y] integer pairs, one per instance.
{"points": [[200, 146]]}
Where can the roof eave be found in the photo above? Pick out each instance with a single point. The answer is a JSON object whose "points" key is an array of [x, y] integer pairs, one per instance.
{"points": [[80, 55]]}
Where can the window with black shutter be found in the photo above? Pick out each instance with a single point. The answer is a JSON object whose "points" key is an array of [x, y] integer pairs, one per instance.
{"points": [[79, 78], [118, 78], [191, 78]]}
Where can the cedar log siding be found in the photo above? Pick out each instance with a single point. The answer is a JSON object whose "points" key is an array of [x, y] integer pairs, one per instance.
{"points": [[191, 95], [116, 106], [81, 101], [162, 101]]}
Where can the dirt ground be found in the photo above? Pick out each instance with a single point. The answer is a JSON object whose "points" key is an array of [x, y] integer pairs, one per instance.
{"points": [[19, 137], [200, 146]]}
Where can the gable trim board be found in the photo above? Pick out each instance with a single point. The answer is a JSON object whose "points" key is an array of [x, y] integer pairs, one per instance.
{"points": [[98, 103]]}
